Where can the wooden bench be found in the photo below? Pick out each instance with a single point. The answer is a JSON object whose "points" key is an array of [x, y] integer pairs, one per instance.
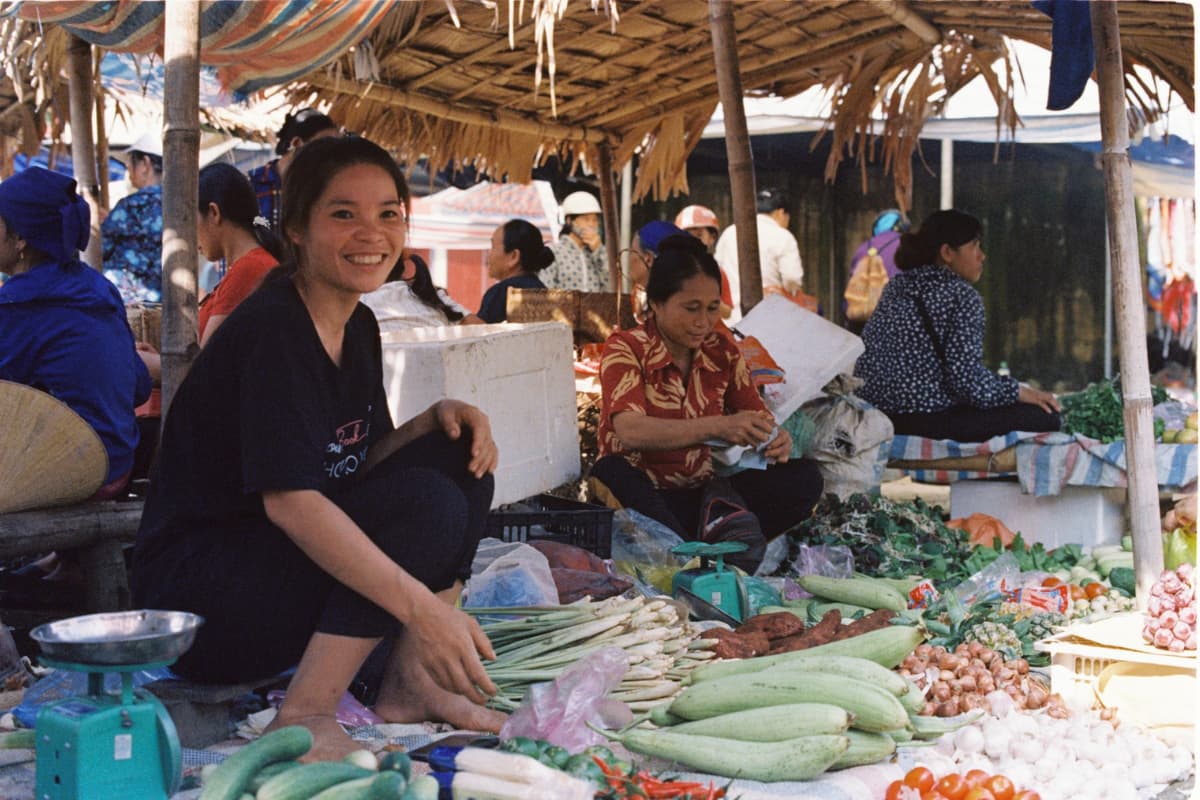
{"points": [[95, 531]]}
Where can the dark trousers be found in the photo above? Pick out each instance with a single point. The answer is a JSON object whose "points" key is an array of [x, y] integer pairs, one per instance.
{"points": [[967, 424], [262, 598], [781, 496]]}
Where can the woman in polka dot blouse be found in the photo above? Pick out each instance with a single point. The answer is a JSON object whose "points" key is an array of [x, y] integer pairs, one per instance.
{"points": [[923, 364]]}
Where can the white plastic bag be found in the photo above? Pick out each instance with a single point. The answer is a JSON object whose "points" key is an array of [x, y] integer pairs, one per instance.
{"points": [[521, 577]]}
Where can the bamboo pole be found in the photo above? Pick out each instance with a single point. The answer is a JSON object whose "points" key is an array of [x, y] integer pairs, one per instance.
{"points": [[900, 12], [504, 120], [181, 167], [611, 214], [83, 151], [101, 138], [737, 151], [1130, 307]]}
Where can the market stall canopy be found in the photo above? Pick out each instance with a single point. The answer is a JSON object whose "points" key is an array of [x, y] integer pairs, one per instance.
{"points": [[464, 219], [505, 85]]}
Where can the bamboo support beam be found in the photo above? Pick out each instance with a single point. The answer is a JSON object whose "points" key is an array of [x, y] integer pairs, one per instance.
{"points": [[181, 167], [611, 213], [389, 95], [101, 138], [83, 151], [737, 150], [1130, 308], [899, 11]]}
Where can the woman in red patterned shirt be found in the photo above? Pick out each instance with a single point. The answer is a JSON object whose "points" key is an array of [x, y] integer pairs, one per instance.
{"points": [[671, 386]]}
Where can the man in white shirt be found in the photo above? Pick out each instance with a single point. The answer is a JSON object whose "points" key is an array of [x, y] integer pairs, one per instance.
{"points": [[778, 253]]}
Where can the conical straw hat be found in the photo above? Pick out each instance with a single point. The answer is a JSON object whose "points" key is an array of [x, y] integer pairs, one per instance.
{"points": [[49, 456]]}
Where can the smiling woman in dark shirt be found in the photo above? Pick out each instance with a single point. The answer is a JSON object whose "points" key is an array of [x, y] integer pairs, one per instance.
{"points": [[923, 364]]}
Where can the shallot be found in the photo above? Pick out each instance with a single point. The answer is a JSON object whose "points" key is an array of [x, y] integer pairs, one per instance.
{"points": [[1170, 613]]}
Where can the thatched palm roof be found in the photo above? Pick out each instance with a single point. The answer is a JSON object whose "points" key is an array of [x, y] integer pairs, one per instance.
{"points": [[647, 81]]}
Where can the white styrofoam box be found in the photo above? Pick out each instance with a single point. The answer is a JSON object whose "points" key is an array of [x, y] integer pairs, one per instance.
{"points": [[1084, 515], [521, 375], [811, 350]]}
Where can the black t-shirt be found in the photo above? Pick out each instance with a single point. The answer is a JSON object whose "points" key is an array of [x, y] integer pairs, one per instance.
{"points": [[494, 306], [264, 408]]}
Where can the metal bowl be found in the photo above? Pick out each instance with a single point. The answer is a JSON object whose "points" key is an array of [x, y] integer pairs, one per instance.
{"points": [[119, 639]]}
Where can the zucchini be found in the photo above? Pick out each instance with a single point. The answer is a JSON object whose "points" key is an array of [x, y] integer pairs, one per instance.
{"points": [[860, 669], [866, 592], [914, 699], [901, 735], [423, 787], [18, 740], [885, 646], [772, 723], [874, 709], [933, 727], [230, 779], [800, 759], [865, 748], [309, 779], [661, 716]]}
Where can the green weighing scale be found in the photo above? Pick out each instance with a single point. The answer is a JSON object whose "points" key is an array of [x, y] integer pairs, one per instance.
{"points": [[102, 746], [711, 591]]}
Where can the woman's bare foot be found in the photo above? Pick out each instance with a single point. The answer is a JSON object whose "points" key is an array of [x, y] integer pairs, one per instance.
{"points": [[408, 694], [330, 740]]}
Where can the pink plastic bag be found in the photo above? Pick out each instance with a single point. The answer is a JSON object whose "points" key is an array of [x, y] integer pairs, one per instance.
{"points": [[558, 711]]}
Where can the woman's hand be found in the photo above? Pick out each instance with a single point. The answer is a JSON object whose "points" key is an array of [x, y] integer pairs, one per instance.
{"points": [[151, 358], [451, 644], [454, 415], [746, 428], [780, 448], [1043, 400]]}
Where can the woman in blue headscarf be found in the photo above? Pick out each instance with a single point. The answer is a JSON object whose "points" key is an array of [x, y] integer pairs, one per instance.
{"points": [[62, 324]]}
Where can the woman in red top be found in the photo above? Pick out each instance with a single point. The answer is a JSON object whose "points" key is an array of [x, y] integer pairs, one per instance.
{"points": [[670, 387], [229, 227]]}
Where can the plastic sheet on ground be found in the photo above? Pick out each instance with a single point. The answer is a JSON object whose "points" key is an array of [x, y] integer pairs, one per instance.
{"points": [[857, 783]]}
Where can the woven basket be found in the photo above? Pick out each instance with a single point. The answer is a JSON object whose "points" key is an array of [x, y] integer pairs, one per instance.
{"points": [[591, 315], [49, 456], [146, 323]]}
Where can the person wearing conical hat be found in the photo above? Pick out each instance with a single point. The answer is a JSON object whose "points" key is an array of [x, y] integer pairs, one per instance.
{"points": [[63, 327]]}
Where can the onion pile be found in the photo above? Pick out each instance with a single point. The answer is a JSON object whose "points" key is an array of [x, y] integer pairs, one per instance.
{"points": [[958, 682], [1171, 611]]}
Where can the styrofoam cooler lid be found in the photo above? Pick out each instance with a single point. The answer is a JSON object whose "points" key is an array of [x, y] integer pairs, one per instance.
{"points": [[811, 350]]}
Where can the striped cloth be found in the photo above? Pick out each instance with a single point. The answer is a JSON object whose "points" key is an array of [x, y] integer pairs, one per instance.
{"points": [[253, 45], [1047, 461]]}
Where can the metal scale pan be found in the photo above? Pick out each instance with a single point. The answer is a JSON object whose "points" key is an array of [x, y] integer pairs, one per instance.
{"points": [[117, 639]]}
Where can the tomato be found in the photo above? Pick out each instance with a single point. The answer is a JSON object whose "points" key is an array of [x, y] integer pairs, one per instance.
{"points": [[1028, 794], [953, 786], [1051, 582], [1001, 787], [1094, 590], [976, 777], [979, 793], [919, 778], [1077, 592], [894, 791]]}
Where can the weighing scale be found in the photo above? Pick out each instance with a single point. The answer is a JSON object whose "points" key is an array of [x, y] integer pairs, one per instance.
{"points": [[711, 592], [102, 746]]}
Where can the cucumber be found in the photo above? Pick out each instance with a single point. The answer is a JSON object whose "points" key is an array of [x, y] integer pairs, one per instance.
{"points": [[355, 789], [309, 779], [874, 709], [933, 727], [772, 723], [800, 759], [866, 592], [18, 740], [901, 585], [885, 646], [364, 759], [849, 666], [396, 761], [424, 787], [270, 771], [230, 779], [865, 748]]}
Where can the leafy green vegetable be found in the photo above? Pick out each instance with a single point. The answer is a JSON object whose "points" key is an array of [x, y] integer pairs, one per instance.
{"points": [[1097, 411], [889, 539], [1030, 558]]}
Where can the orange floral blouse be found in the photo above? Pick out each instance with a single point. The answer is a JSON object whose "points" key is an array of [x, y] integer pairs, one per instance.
{"points": [[638, 375]]}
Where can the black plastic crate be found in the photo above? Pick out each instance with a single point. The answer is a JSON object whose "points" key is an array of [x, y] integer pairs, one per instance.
{"points": [[568, 521]]}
